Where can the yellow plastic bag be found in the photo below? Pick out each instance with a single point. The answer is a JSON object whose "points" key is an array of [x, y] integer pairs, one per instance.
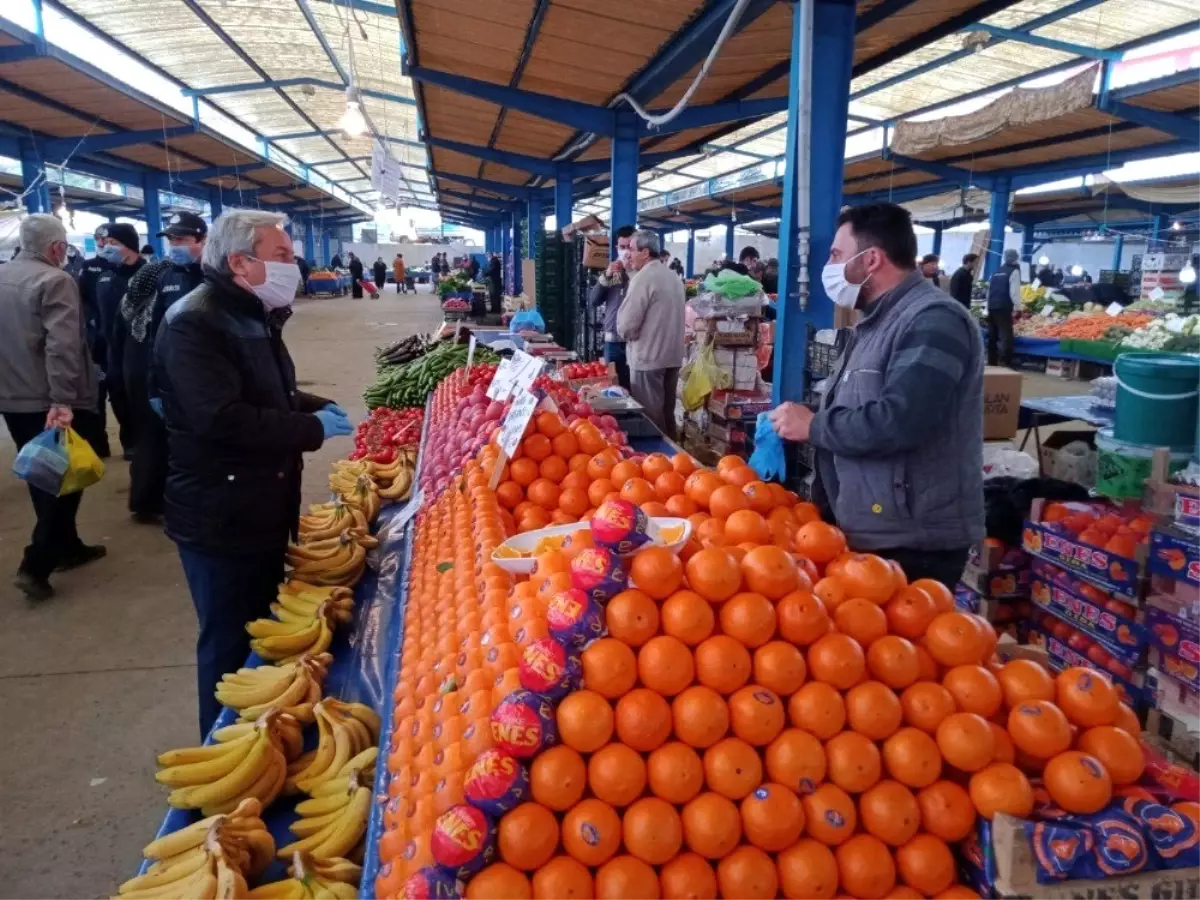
{"points": [[84, 467], [702, 377]]}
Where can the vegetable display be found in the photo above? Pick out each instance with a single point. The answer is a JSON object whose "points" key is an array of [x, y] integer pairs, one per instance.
{"points": [[407, 385]]}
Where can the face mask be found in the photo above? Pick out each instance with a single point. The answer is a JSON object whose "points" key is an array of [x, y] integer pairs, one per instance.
{"points": [[279, 289], [840, 291], [180, 255], [111, 253]]}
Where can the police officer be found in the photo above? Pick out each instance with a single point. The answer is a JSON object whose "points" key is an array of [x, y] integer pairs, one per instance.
{"points": [[1004, 296], [119, 248], [90, 274], [151, 293]]}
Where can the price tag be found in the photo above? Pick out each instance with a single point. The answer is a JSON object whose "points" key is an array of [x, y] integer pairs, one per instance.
{"points": [[512, 429], [397, 523], [1047, 309], [470, 352], [1036, 283], [1114, 309], [531, 367], [502, 381], [1157, 294]]}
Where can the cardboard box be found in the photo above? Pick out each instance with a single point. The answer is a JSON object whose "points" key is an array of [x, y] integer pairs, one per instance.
{"points": [[595, 251], [1078, 469], [1001, 402], [739, 405], [1063, 368], [587, 223]]}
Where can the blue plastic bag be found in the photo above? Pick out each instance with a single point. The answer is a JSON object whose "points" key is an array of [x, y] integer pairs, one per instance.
{"points": [[527, 320], [43, 461], [767, 459]]}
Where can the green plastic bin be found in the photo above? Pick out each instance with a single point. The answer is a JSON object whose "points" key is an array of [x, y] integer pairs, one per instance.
{"points": [[1157, 399]]}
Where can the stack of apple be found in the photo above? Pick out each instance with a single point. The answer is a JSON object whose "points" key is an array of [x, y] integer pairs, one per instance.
{"points": [[572, 409]]}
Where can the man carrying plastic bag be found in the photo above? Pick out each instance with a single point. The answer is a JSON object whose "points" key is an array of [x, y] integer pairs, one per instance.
{"points": [[47, 381]]}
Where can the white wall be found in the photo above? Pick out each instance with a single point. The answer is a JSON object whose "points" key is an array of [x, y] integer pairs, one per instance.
{"points": [[415, 255]]}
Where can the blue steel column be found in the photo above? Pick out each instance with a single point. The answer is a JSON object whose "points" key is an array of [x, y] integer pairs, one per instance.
{"points": [[564, 198], [150, 204], [326, 256], [729, 240], [38, 199], [517, 255], [997, 219], [1156, 241], [214, 203], [832, 55], [937, 238], [310, 241], [1118, 249], [624, 176], [1027, 247], [537, 222], [689, 267]]}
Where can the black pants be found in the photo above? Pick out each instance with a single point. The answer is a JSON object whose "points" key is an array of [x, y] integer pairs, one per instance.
{"points": [[356, 289], [148, 471], [495, 287], [101, 446], [945, 566], [1000, 331], [122, 408], [227, 591], [54, 534], [614, 352]]}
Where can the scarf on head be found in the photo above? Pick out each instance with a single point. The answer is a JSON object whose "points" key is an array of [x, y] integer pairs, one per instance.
{"points": [[137, 306]]}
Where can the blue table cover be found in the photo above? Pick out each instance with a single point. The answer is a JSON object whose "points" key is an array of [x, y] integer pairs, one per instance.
{"points": [[1052, 410]]}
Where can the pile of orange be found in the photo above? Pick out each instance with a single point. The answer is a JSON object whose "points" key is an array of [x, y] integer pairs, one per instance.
{"points": [[769, 714]]}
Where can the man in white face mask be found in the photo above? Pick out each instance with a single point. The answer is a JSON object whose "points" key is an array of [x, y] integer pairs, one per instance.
{"points": [[237, 428], [899, 430]]}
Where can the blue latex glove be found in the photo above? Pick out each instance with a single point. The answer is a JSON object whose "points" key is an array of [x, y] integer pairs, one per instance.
{"points": [[334, 423], [333, 407], [156, 405], [767, 459]]}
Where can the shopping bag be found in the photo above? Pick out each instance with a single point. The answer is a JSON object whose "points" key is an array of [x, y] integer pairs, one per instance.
{"points": [[703, 376], [527, 320], [767, 459], [43, 461], [84, 467]]}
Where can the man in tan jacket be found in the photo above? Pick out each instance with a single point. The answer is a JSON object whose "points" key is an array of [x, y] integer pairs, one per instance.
{"points": [[651, 321], [47, 380]]}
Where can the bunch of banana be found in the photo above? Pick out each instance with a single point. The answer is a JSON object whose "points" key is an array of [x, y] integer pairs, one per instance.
{"points": [[215, 778], [332, 879], [288, 641], [212, 858], [334, 819], [292, 688], [344, 732], [299, 599], [325, 520], [331, 561], [284, 727], [358, 491], [395, 479]]}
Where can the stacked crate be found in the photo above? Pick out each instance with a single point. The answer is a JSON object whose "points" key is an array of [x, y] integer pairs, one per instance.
{"points": [[554, 302]]}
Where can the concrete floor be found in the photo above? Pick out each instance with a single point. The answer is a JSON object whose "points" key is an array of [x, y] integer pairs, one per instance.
{"points": [[96, 681]]}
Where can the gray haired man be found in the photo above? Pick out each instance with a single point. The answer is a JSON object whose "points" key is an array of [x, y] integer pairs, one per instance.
{"points": [[47, 380], [651, 321]]}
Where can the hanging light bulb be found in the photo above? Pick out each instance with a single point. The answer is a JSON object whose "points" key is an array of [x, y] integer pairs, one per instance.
{"points": [[1177, 226], [1043, 260], [1076, 270], [352, 122], [1187, 274]]}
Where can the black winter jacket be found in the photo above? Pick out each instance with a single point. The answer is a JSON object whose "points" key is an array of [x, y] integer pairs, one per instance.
{"points": [[236, 425]]}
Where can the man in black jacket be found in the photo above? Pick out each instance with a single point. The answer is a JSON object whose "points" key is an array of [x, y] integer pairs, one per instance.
{"points": [[379, 270], [93, 268], [356, 276], [495, 277], [963, 281], [119, 248], [237, 429]]}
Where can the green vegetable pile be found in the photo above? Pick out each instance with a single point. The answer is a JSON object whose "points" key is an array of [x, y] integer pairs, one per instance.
{"points": [[408, 384]]}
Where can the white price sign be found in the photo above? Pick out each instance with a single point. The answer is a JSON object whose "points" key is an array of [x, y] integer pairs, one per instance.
{"points": [[397, 523], [1114, 309], [502, 381], [512, 429], [1157, 294], [530, 368], [470, 352], [1047, 309]]}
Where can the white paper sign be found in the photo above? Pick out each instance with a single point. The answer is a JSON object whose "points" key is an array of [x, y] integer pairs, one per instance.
{"points": [[1036, 283], [1114, 309], [512, 429], [1157, 294], [1047, 309], [397, 523], [502, 381], [470, 353], [529, 367]]}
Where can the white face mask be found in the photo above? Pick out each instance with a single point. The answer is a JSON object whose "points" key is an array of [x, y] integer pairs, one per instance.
{"points": [[841, 291], [279, 288]]}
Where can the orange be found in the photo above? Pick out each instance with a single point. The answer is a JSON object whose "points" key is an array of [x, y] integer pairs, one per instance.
{"points": [[739, 476], [756, 715], [803, 512], [727, 499], [1022, 680], [665, 665], [573, 501], [868, 576], [549, 424], [889, 811], [1001, 787], [779, 667], [667, 484], [760, 496], [722, 664], [819, 709], [577, 541], [829, 815], [953, 639], [524, 471], [713, 574], [544, 493], [625, 878], [623, 472], [769, 570], [732, 768], [729, 461], [700, 485], [853, 762], [558, 777], [954, 892], [656, 571], [700, 716], [711, 533], [527, 836], [942, 596], [808, 870], [578, 462], [566, 445], [643, 720], [1128, 720], [743, 525], [928, 669], [925, 705], [598, 490], [909, 612], [865, 866], [873, 710], [966, 741], [631, 617], [1005, 750], [746, 874], [683, 464], [1039, 728], [912, 758], [609, 668], [772, 817], [509, 494], [893, 660], [796, 759], [748, 618], [653, 831], [563, 878], [830, 591], [1077, 782], [684, 615], [675, 773], [861, 619], [656, 464], [637, 491], [601, 466], [801, 618], [553, 469], [687, 877], [975, 689], [712, 825], [820, 542], [616, 774], [499, 880], [1086, 697], [678, 504], [837, 660], [585, 721], [591, 832], [1118, 750], [537, 447], [926, 864], [946, 810]]}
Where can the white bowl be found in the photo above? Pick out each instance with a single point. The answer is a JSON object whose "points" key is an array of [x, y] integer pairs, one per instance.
{"points": [[524, 543]]}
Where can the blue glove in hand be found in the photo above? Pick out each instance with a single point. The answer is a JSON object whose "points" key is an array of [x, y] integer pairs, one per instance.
{"points": [[333, 407], [156, 405], [767, 459], [334, 423]]}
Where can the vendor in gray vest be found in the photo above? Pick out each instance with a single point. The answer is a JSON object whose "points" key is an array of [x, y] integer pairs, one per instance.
{"points": [[1004, 295], [899, 430], [610, 289]]}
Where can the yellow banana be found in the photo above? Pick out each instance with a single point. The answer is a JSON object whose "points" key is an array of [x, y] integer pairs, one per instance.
{"points": [[231, 786], [208, 771], [183, 868], [350, 828]]}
